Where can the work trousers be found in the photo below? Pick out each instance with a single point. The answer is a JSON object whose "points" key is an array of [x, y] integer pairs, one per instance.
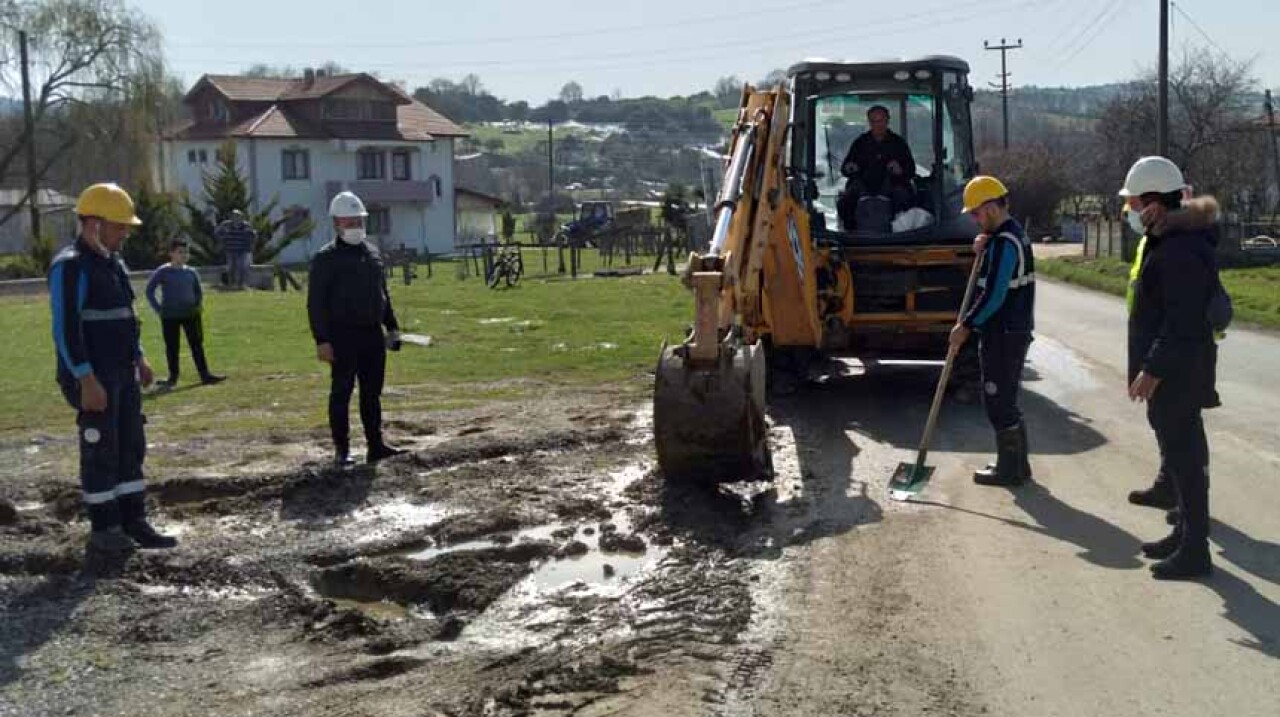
{"points": [[1174, 414], [238, 264], [193, 327], [359, 356], [1001, 357], [113, 445]]}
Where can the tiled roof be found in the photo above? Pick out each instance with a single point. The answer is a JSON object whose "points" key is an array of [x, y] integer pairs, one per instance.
{"points": [[415, 122]]}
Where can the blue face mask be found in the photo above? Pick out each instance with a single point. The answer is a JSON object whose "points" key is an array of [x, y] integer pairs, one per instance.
{"points": [[1135, 221]]}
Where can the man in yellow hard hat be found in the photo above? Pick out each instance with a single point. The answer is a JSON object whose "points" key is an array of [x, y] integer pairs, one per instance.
{"points": [[1004, 316], [100, 364]]}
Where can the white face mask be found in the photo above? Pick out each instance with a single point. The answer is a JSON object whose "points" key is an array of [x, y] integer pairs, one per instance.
{"points": [[352, 235], [1135, 221]]}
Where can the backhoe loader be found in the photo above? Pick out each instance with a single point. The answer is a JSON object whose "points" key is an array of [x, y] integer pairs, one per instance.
{"points": [[788, 274]]}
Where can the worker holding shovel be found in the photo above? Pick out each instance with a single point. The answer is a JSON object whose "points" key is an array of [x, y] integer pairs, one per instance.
{"points": [[1003, 317]]}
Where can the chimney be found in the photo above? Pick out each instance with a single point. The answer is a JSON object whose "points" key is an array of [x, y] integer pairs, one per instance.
{"points": [[309, 77]]}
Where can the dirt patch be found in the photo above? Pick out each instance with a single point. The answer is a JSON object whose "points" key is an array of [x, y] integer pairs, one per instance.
{"points": [[536, 566]]}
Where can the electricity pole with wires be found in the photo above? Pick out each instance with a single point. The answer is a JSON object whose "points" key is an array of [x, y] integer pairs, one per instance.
{"points": [[33, 190], [1004, 48], [1275, 147], [1162, 91]]}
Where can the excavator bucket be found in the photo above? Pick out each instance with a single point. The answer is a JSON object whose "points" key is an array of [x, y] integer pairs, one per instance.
{"points": [[708, 422]]}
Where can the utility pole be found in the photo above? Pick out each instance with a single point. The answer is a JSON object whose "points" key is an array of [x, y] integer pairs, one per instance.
{"points": [[29, 119], [1004, 48], [1162, 91], [551, 166], [1275, 145]]}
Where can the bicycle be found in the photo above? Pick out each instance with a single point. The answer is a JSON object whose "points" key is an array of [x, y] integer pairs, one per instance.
{"points": [[507, 267]]}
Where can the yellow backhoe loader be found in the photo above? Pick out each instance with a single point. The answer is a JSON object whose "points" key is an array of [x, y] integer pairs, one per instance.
{"points": [[796, 268]]}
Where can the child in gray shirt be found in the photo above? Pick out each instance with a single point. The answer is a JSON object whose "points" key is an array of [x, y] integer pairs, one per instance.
{"points": [[179, 307]]}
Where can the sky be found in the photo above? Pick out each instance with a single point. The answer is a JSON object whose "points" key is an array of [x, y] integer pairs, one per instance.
{"points": [[528, 49]]}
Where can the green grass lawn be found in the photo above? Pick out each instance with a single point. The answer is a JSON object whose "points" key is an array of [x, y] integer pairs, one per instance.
{"points": [[1255, 291], [543, 334]]}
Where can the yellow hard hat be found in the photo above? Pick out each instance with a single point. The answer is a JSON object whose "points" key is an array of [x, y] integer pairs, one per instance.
{"points": [[107, 201], [981, 190]]}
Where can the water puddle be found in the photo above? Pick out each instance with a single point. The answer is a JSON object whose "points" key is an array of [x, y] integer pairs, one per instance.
{"points": [[385, 519], [581, 560], [379, 610]]}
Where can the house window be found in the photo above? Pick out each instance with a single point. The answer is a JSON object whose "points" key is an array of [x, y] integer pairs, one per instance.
{"points": [[204, 157], [379, 221], [191, 156], [400, 167], [296, 164], [342, 109], [216, 110], [372, 165], [382, 111], [437, 186]]}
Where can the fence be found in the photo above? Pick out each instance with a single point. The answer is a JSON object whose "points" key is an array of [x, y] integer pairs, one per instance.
{"points": [[1239, 243]]}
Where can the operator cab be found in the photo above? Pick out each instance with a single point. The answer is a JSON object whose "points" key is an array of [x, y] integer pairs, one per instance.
{"points": [[928, 102]]}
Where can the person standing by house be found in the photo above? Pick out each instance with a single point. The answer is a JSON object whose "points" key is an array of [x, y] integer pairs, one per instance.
{"points": [[180, 308], [237, 238], [349, 306], [97, 339]]}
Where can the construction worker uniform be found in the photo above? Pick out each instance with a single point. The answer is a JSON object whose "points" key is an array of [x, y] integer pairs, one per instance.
{"points": [[95, 331], [1003, 317], [349, 306]]}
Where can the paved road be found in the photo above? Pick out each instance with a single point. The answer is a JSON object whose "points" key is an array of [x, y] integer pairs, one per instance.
{"points": [[1031, 602]]}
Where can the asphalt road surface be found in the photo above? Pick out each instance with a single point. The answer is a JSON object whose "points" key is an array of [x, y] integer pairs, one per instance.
{"points": [[1032, 601]]}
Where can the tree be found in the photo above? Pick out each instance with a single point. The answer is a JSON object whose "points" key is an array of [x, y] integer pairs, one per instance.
{"points": [[675, 206], [554, 111], [728, 91], [494, 145], [225, 191], [149, 243], [80, 51], [471, 85], [571, 93], [1037, 183], [773, 78], [1207, 111]]}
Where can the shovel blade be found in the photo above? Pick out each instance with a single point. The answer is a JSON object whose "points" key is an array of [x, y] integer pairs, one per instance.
{"points": [[416, 339], [908, 480]]}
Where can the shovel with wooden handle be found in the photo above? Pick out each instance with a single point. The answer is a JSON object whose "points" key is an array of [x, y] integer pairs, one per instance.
{"points": [[910, 478]]}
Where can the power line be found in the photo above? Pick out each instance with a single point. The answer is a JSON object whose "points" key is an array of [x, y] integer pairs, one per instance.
{"points": [[595, 32], [1093, 30], [1004, 48], [668, 55], [1197, 27]]}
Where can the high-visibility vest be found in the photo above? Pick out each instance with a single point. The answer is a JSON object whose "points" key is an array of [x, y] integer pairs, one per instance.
{"points": [[1134, 271]]}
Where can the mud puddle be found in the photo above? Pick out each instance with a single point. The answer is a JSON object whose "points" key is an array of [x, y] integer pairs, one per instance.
{"points": [[527, 561]]}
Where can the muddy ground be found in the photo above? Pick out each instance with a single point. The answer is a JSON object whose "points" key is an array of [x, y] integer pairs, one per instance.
{"points": [[518, 561]]}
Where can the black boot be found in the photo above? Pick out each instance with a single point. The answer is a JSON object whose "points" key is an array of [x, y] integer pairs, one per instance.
{"points": [[342, 458], [133, 513], [1008, 468], [1165, 547], [1188, 563], [1159, 495], [379, 450], [106, 536], [1173, 517]]}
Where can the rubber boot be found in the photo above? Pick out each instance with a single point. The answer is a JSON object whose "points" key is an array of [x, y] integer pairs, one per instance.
{"points": [[133, 513], [1191, 560], [111, 541], [1188, 563], [1165, 547], [1008, 468], [379, 450], [1159, 495]]}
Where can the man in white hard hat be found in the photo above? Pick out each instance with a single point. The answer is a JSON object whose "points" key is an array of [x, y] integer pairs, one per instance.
{"points": [[1172, 355], [349, 308]]}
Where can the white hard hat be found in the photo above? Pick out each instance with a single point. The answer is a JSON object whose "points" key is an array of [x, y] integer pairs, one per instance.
{"points": [[346, 205], [1153, 174]]}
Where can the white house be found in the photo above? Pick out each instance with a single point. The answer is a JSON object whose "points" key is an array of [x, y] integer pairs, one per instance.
{"points": [[304, 140]]}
